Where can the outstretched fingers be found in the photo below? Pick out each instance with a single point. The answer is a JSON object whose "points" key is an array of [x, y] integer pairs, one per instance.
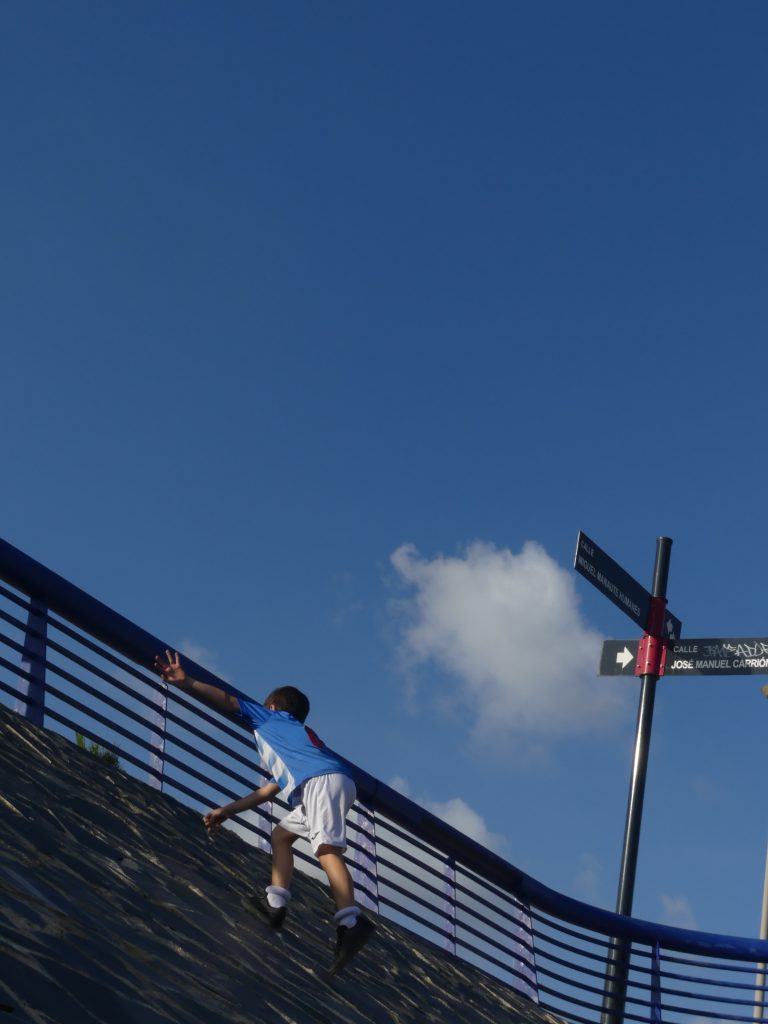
{"points": [[169, 667]]}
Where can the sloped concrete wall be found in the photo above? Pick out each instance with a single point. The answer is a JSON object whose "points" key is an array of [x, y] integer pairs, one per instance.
{"points": [[116, 908]]}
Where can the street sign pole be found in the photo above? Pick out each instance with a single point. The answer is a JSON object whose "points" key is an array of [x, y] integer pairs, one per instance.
{"points": [[649, 611], [642, 746], [615, 992]]}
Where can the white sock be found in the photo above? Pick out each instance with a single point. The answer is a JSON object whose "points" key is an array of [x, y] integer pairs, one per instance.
{"points": [[277, 896], [347, 918]]}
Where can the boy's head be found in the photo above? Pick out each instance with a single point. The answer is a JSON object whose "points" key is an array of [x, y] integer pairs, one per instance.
{"points": [[288, 698]]}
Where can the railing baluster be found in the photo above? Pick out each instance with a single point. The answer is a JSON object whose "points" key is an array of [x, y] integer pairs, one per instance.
{"points": [[527, 962], [365, 881], [33, 662], [157, 736], [265, 812], [656, 985], [449, 905]]}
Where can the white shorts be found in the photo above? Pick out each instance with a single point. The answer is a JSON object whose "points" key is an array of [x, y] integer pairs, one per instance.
{"points": [[320, 816]]}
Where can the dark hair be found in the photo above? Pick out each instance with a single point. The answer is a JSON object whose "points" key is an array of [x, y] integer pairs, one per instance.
{"points": [[288, 698]]}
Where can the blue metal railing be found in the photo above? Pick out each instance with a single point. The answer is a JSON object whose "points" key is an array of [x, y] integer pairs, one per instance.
{"points": [[69, 663]]}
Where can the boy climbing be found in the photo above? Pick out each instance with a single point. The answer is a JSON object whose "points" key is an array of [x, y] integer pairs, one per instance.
{"points": [[319, 791]]}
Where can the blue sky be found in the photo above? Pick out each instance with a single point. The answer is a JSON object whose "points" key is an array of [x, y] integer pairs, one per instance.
{"points": [[326, 328]]}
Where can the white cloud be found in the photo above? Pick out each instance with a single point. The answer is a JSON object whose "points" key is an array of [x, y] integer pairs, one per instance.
{"points": [[400, 785], [677, 912], [455, 812], [461, 816], [508, 627]]}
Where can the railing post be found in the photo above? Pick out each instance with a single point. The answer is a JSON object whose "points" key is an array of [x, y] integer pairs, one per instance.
{"points": [[365, 874], [157, 735], [528, 966], [656, 985], [33, 662], [449, 904], [264, 812]]}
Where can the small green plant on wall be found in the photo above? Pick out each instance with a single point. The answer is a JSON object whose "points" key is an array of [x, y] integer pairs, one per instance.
{"points": [[101, 752]]}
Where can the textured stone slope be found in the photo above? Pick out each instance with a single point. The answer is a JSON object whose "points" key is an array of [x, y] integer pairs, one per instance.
{"points": [[115, 908]]}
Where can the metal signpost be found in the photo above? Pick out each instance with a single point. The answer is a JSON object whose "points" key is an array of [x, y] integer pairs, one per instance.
{"points": [[649, 611]]}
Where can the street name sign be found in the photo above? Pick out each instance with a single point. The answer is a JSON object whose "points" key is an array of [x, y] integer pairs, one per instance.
{"points": [[732, 656], [621, 588]]}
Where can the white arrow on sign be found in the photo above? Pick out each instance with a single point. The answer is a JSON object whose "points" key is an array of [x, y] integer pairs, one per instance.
{"points": [[670, 629], [624, 657]]}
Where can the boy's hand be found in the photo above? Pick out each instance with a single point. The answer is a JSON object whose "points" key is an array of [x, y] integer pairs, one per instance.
{"points": [[213, 819], [170, 668]]}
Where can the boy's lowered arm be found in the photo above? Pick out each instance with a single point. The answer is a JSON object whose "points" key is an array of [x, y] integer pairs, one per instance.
{"points": [[213, 819], [255, 799], [170, 669]]}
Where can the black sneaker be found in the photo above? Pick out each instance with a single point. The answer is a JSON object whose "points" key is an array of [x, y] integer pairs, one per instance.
{"points": [[350, 940], [259, 905]]}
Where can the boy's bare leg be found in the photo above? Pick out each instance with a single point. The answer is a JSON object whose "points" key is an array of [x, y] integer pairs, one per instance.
{"points": [[342, 887], [354, 928], [282, 856]]}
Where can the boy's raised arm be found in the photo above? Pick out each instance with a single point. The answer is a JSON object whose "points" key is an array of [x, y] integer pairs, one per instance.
{"points": [[170, 669]]}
